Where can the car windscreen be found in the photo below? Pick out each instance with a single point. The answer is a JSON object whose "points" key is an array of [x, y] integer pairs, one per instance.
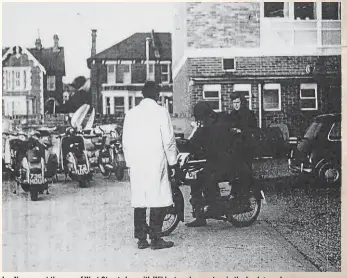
{"points": [[313, 130]]}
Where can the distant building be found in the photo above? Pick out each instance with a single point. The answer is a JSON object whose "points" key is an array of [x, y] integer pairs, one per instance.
{"points": [[32, 78], [119, 72], [285, 57]]}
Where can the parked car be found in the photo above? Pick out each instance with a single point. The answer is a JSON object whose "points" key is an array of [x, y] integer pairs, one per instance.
{"points": [[318, 153]]}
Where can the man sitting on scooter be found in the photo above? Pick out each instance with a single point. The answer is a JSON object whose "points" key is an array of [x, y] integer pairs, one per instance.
{"points": [[214, 140]]}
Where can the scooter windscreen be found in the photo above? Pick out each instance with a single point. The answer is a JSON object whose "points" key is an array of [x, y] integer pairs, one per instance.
{"points": [[79, 117]]}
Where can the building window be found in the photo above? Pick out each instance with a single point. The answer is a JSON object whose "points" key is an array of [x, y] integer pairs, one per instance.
{"points": [[51, 83], [229, 64], [138, 100], [272, 97], [151, 72], [165, 73], [16, 79], [119, 108], [212, 94], [308, 97], [111, 74], [331, 10], [335, 132], [108, 105], [305, 10], [276, 9], [245, 90], [126, 74]]}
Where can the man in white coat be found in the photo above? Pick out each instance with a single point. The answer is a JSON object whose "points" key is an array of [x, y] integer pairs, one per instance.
{"points": [[149, 148]]}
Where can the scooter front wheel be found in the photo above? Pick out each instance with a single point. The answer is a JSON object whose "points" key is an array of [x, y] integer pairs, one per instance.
{"points": [[34, 195]]}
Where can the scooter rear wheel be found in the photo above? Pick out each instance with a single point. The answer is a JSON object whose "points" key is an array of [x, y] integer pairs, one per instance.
{"points": [[247, 218]]}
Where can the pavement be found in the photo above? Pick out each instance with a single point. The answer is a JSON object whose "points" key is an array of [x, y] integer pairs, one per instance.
{"points": [[91, 229]]}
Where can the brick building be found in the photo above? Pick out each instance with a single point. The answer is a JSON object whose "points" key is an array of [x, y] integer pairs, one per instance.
{"points": [[119, 72], [285, 57], [32, 78]]}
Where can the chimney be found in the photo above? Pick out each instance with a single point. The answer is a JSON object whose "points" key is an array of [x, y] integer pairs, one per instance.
{"points": [[56, 43], [93, 51], [38, 44]]}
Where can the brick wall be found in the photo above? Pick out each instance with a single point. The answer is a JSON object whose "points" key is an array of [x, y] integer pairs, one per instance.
{"points": [[265, 66], [181, 94], [214, 25]]}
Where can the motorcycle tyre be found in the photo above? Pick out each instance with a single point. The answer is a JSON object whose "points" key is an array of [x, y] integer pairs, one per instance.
{"points": [[179, 199], [82, 183], [25, 187], [119, 172], [241, 224], [34, 194]]}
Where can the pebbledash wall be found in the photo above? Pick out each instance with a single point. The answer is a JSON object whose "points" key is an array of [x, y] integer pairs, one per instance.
{"points": [[206, 33]]}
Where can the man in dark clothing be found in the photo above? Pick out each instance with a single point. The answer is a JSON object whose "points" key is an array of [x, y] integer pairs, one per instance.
{"points": [[213, 141]]}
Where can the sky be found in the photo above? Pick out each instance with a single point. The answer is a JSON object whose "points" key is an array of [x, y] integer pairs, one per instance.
{"points": [[72, 22]]}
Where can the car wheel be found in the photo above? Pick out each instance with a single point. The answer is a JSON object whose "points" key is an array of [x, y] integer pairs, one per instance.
{"points": [[330, 173]]}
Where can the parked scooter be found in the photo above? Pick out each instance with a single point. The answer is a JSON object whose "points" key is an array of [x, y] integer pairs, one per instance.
{"points": [[74, 157], [31, 167], [111, 158]]}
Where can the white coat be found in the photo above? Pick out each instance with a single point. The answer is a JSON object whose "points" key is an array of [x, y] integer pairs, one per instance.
{"points": [[149, 146]]}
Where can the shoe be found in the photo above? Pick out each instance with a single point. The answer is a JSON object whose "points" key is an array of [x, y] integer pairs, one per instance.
{"points": [[197, 223], [142, 244], [160, 244]]}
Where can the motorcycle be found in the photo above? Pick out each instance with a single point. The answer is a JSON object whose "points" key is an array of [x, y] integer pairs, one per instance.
{"points": [[226, 207], [74, 157], [111, 158]]}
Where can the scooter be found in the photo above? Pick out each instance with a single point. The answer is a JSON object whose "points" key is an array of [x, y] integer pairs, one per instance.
{"points": [[111, 157], [74, 157], [32, 168]]}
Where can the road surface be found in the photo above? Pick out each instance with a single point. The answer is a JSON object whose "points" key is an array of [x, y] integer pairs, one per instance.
{"points": [[91, 229]]}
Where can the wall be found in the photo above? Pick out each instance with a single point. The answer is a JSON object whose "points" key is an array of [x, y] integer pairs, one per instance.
{"points": [[265, 66], [215, 25], [181, 94], [179, 34]]}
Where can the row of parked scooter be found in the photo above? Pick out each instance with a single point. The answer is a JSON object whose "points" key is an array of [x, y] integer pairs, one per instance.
{"points": [[33, 159]]}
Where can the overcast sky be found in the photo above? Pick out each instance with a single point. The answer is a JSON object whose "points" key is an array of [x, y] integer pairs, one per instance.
{"points": [[73, 22]]}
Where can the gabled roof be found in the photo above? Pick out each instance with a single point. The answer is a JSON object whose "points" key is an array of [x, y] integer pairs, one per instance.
{"points": [[53, 62], [134, 48]]}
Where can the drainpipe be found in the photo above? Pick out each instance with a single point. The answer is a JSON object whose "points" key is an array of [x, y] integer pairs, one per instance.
{"points": [[147, 56], [260, 104]]}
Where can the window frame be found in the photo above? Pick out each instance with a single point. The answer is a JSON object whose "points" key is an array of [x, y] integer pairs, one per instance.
{"points": [[229, 70], [272, 86], [10, 79], [277, 18], [338, 11], [151, 63], [114, 73], [334, 140], [244, 88], [49, 82], [168, 73], [309, 86], [213, 87]]}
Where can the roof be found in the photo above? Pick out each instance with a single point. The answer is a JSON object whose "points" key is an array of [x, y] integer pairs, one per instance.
{"points": [[134, 48], [53, 62]]}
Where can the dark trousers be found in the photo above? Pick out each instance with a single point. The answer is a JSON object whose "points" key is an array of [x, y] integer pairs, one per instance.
{"points": [[156, 219], [208, 179]]}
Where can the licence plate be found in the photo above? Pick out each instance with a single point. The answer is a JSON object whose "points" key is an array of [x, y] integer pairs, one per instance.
{"points": [[191, 176], [35, 178], [105, 160]]}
